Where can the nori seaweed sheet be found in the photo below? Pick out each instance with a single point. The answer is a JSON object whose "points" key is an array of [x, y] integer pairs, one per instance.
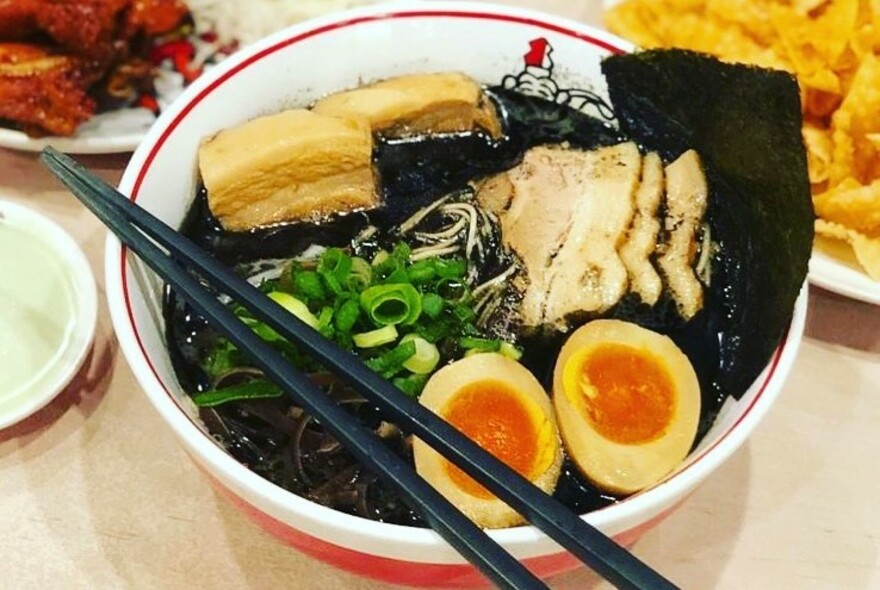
{"points": [[760, 210]]}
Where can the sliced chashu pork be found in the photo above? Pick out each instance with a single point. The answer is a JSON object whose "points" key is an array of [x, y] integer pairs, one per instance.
{"points": [[686, 200], [535, 201], [587, 274], [641, 239], [565, 212]]}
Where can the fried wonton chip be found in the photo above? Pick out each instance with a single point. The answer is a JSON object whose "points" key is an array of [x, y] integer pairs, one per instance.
{"points": [[819, 152], [857, 118], [814, 44], [833, 47], [851, 204], [844, 243]]}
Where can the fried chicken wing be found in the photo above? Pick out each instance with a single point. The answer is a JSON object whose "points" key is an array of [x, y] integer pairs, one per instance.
{"points": [[18, 19], [85, 28], [83, 50], [154, 17], [42, 92]]}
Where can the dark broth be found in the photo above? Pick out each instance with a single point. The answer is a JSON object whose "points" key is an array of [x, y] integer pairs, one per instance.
{"points": [[414, 172]]}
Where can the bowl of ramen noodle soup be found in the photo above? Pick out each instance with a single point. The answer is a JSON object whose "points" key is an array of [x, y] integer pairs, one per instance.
{"points": [[590, 261]]}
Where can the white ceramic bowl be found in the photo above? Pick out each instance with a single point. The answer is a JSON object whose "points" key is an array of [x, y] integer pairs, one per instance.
{"points": [[292, 68]]}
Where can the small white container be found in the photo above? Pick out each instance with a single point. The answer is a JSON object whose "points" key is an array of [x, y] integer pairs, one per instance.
{"points": [[48, 311]]}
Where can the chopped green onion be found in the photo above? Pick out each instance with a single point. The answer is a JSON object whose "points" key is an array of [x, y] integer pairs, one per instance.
{"points": [[391, 362], [450, 268], [432, 305], [262, 330], [428, 302], [325, 320], [347, 315], [223, 358], [425, 358], [411, 385], [401, 251], [375, 338], [422, 271], [307, 283], [393, 262], [399, 303], [435, 331], [481, 344], [397, 276], [334, 267], [256, 389], [361, 274], [294, 306], [463, 313], [510, 351]]}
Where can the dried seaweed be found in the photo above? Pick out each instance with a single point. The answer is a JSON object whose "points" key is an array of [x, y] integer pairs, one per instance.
{"points": [[745, 123]]}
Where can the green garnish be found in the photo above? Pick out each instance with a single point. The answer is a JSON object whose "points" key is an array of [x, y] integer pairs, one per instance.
{"points": [[347, 315], [256, 389], [422, 271], [411, 385], [432, 305], [510, 351], [334, 267], [405, 318], [294, 306], [450, 268], [391, 362], [361, 274], [375, 338], [480, 344], [308, 284], [396, 303], [425, 357]]}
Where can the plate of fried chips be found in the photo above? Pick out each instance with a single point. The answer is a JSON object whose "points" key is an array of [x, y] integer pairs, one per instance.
{"points": [[833, 47]]}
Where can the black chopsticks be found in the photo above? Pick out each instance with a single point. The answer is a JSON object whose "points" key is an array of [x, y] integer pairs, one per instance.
{"points": [[136, 228]]}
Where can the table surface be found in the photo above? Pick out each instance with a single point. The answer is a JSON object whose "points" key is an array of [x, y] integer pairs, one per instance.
{"points": [[96, 494]]}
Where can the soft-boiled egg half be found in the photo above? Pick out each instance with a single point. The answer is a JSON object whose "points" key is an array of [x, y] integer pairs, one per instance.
{"points": [[500, 405], [628, 403]]}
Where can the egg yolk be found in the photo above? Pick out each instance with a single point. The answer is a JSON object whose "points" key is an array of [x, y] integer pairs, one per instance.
{"points": [[495, 417], [627, 395]]}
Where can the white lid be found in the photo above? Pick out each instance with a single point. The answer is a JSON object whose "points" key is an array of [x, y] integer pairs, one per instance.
{"points": [[48, 311]]}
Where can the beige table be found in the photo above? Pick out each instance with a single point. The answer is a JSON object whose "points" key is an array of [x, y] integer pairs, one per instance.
{"points": [[94, 492]]}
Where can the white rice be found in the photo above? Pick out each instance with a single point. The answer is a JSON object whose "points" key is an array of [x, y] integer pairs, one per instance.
{"points": [[249, 20]]}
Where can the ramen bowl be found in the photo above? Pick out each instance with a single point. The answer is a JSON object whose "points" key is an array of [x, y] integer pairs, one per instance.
{"points": [[553, 57]]}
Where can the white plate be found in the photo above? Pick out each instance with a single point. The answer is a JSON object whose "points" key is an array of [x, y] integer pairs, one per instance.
{"points": [[834, 268], [107, 133], [49, 311], [116, 131]]}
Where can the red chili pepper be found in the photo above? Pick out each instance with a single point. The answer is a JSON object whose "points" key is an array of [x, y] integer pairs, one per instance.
{"points": [[148, 101], [181, 53], [171, 49]]}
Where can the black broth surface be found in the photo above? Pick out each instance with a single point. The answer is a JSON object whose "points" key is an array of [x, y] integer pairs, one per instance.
{"points": [[414, 172]]}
